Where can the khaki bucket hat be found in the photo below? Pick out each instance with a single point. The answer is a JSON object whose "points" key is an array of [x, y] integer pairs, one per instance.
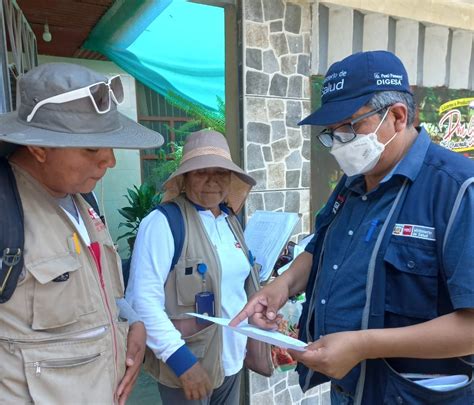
{"points": [[64, 105], [207, 149]]}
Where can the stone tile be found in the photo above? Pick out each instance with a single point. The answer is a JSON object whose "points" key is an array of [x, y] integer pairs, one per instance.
{"points": [[306, 175], [293, 18], [255, 202], [253, 10], [298, 229], [292, 178], [306, 17], [306, 224], [293, 113], [253, 58], [276, 109], [260, 177], [270, 62], [306, 130], [256, 109], [273, 9], [254, 157], [306, 150], [296, 394], [280, 149], [279, 387], [276, 26], [295, 140], [283, 398], [294, 161], [274, 200], [277, 377], [293, 378], [314, 400], [325, 387], [278, 130], [258, 383], [258, 132], [263, 398], [257, 83], [306, 87], [278, 85], [276, 177], [326, 398], [295, 87], [256, 35], [303, 65], [292, 204], [267, 153], [306, 43], [304, 200], [279, 43], [295, 43], [288, 64]]}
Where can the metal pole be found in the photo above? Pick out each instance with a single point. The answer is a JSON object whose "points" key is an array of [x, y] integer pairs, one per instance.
{"points": [[5, 95]]}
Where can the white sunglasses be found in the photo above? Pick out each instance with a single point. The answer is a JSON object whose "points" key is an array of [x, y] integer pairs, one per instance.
{"points": [[100, 94]]}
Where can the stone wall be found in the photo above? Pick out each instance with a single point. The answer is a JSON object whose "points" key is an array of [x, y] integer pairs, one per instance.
{"points": [[276, 49]]}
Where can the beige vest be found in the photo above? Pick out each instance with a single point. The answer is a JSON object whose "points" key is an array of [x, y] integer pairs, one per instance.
{"points": [[180, 291], [60, 339]]}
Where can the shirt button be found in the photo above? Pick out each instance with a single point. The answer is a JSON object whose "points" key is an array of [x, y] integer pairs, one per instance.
{"points": [[350, 233], [411, 264], [364, 198], [335, 267], [323, 301]]}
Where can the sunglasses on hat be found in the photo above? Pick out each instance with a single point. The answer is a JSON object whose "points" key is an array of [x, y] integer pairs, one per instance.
{"points": [[100, 94]]}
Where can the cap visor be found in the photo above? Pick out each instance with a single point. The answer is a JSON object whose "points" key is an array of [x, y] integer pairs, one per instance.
{"points": [[332, 113]]}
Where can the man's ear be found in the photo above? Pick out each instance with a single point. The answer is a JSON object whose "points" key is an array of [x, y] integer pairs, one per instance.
{"points": [[38, 152], [400, 112]]}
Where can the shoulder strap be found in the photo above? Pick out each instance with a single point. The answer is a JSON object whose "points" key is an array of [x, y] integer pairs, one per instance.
{"points": [[12, 237], [173, 214]]}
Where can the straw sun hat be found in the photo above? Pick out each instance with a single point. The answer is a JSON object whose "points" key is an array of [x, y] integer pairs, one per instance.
{"points": [[206, 149]]}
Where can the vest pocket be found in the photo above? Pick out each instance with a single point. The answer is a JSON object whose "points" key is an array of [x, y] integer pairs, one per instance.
{"points": [[73, 372], [113, 260], [411, 272], [189, 281], [60, 292]]}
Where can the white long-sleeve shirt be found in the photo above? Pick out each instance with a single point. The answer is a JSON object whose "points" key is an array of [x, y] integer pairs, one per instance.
{"points": [[151, 261]]}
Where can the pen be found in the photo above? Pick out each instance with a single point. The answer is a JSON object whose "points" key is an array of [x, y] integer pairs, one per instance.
{"points": [[77, 245], [370, 232]]}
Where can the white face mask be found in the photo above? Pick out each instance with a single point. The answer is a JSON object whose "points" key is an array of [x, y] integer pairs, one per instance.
{"points": [[360, 155]]}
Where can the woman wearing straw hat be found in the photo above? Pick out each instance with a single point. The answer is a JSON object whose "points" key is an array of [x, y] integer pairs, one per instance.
{"points": [[194, 362]]}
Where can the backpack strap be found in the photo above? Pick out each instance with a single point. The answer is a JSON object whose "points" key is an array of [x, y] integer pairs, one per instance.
{"points": [[12, 238], [173, 214]]}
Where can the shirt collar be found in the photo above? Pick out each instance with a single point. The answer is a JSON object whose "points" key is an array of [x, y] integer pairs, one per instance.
{"points": [[223, 207], [408, 167]]}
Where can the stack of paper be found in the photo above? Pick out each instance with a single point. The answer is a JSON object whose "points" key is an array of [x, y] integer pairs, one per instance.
{"points": [[266, 235], [267, 336]]}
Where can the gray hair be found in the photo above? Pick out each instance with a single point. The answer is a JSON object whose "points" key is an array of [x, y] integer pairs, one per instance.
{"points": [[386, 98]]}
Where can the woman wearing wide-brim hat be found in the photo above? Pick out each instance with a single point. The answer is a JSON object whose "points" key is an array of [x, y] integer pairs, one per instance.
{"points": [[195, 362]]}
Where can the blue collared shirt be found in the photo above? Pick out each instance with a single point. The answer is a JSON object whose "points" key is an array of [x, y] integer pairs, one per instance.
{"points": [[341, 288]]}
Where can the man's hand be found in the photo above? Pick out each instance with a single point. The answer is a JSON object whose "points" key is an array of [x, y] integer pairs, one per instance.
{"points": [[333, 355], [196, 383], [136, 343], [262, 308]]}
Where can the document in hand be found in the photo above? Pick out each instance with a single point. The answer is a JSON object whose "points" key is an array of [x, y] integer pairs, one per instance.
{"points": [[266, 234], [267, 336]]}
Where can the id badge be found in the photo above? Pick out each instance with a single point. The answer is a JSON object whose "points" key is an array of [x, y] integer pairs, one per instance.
{"points": [[205, 305]]}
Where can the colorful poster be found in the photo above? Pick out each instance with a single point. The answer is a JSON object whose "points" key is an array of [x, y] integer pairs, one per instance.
{"points": [[448, 115]]}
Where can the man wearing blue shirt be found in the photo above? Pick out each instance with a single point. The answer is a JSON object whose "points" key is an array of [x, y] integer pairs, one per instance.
{"points": [[389, 274]]}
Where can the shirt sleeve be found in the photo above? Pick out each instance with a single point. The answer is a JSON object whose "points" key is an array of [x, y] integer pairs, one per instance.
{"points": [[151, 260], [458, 257]]}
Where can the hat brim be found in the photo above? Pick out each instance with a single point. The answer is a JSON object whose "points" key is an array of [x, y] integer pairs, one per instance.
{"points": [[241, 182], [333, 113], [129, 135]]}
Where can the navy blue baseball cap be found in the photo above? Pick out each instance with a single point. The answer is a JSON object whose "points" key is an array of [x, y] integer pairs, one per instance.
{"points": [[350, 84]]}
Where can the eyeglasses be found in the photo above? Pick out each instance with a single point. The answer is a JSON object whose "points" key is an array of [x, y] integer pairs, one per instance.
{"points": [[100, 94], [345, 132]]}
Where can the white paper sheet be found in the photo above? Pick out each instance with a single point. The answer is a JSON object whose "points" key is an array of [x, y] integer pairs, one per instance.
{"points": [[266, 234], [267, 336]]}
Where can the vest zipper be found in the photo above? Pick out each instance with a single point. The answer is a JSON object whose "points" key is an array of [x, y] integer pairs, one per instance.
{"points": [[63, 363], [109, 312]]}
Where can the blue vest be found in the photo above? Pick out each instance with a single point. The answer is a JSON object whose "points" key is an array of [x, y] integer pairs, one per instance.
{"points": [[429, 199]]}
